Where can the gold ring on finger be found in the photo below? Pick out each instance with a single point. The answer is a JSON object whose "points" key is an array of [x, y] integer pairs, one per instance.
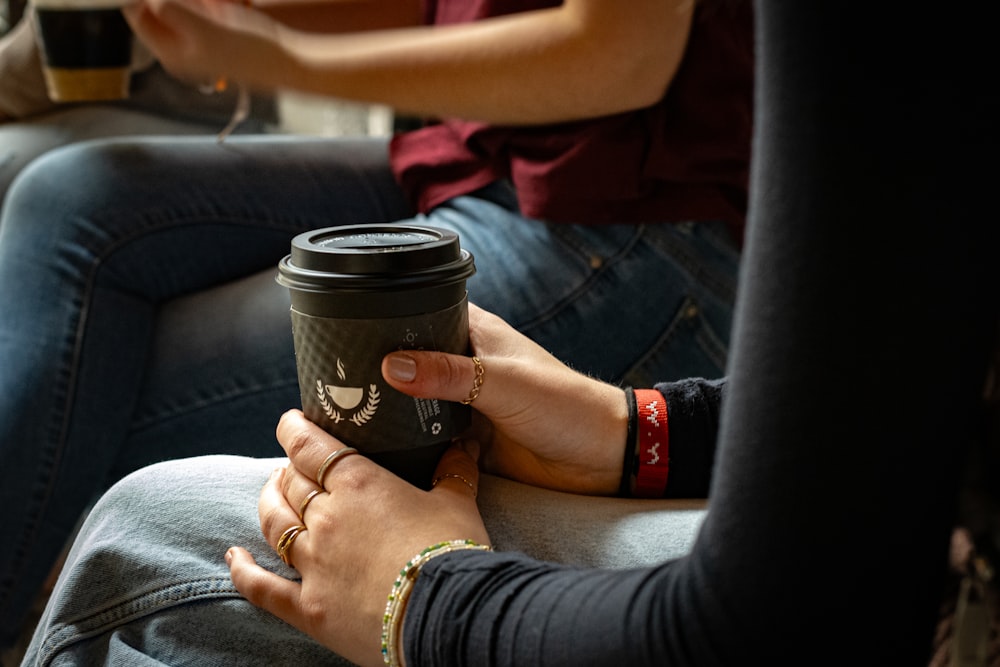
{"points": [[330, 460], [305, 503], [454, 475], [285, 543], [477, 381]]}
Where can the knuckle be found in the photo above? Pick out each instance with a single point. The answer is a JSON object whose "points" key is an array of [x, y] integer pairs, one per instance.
{"points": [[286, 480], [323, 522], [352, 480], [314, 611], [297, 442], [453, 372]]}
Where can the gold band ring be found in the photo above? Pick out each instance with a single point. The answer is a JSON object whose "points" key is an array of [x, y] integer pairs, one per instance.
{"points": [[477, 382], [305, 503], [329, 461], [454, 475], [285, 543]]}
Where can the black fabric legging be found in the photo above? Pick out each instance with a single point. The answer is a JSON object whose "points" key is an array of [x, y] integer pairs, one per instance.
{"points": [[867, 307]]}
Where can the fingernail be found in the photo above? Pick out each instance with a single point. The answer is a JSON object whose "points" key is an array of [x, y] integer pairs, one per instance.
{"points": [[229, 557], [402, 367]]}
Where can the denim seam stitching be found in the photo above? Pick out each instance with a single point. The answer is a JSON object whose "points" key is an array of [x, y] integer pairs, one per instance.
{"points": [[72, 631], [583, 287]]}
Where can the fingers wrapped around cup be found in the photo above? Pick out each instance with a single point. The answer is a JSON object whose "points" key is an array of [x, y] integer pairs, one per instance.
{"points": [[314, 453]]}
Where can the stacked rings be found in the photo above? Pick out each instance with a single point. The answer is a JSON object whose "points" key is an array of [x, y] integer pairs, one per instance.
{"points": [[285, 543]]}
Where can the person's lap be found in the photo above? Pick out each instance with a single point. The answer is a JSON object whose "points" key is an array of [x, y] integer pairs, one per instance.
{"points": [[168, 338], [154, 546]]}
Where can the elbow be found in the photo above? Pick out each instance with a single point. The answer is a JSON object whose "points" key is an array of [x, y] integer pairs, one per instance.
{"points": [[648, 87], [639, 59], [638, 84]]}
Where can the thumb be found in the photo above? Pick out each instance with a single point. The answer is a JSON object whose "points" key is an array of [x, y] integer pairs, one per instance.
{"points": [[264, 588], [426, 374]]}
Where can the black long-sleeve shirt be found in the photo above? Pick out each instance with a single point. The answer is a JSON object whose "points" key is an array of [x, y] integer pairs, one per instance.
{"points": [[867, 308]]}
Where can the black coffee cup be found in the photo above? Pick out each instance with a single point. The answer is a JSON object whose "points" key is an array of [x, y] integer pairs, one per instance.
{"points": [[86, 48], [359, 292]]}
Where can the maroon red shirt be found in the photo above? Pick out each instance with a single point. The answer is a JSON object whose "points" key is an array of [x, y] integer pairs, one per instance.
{"points": [[685, 158]]}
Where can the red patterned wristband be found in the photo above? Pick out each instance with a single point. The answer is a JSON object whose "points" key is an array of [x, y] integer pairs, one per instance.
{"points": [[652, 445]]}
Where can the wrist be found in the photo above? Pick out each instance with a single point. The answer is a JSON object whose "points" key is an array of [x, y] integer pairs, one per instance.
{"points": [[628, 457], [613, 434], [399, 596]]}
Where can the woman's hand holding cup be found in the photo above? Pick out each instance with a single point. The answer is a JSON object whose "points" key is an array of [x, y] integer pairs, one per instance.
{"points": [[538, 421], [349, 540]]}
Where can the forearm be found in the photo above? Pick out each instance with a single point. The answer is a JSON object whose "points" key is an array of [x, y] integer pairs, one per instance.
{"points": [[487, 609], [583, 59]]}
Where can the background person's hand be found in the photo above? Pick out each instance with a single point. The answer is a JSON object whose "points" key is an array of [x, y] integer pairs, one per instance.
{"points": [[545, 424], [362, 528], [201, 41]]}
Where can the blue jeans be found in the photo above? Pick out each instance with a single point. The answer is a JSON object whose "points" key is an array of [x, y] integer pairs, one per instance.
{"points": [[152, 588], [141, 321]]}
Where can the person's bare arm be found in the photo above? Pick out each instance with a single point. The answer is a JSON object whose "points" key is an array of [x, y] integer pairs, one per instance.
{"points": [[585, 58]]}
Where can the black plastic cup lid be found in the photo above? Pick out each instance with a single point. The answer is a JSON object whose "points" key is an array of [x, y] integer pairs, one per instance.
{"points": [[375, 257]]}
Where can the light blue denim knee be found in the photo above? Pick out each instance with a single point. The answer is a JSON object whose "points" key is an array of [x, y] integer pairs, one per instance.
{"points": [[155, 589], [146, 582]]}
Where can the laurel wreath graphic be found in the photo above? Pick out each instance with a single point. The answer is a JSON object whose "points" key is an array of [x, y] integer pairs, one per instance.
{"points": [[364, 415], [332, 413]]}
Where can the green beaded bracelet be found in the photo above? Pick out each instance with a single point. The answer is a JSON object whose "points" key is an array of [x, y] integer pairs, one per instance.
{"points": [[400, 593]]}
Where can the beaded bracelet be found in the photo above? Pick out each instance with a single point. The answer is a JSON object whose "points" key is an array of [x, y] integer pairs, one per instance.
{"points": [[400, 593]]}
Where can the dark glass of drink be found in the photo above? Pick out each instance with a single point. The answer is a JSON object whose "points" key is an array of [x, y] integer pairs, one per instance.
{"points": [[86, 48]]}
